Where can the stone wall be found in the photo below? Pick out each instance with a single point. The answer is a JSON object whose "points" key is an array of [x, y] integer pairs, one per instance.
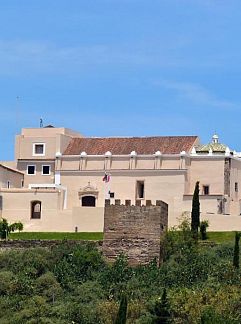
{"points": [[29, 244], [134, 230]]}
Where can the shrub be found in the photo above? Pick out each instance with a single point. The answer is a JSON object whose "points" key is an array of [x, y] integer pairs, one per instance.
{"points": [[47, 286], [77, 264], [7, 283], [209, 316], [203, 229]]}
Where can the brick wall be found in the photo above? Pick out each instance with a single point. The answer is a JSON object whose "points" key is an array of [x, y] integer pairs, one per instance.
{"points": [[134, 230]]}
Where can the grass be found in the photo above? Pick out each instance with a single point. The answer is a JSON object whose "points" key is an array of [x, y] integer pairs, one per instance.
{"points": [[218, 237], [95, 236], [221, 237]]}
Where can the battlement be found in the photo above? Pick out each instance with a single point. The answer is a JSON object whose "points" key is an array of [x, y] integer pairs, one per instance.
{"points": [[140, 203], [134, 230]]}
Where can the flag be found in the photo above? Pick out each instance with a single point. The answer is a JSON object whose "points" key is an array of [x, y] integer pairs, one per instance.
{"points": [[106, 177]]}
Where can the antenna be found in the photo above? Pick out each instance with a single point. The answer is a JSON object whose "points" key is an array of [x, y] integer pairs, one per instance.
{"points": [[41, 125]]}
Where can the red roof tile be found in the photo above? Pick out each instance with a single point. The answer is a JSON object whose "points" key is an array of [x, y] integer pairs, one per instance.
{"points": [[125, 145]]}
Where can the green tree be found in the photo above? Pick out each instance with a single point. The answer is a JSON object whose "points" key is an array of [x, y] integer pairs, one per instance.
{"points": [[203, 229], [160, 312], [195, 219], [6, 228], [122, 312], [236, 250]]}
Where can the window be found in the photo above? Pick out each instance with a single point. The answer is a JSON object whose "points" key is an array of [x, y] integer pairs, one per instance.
{"points": [[206, 190], [46, 170], [22, 183], [39, 149], [88, 201], [140, 190], [31, 169], [36, 209], [112, 194], [8, 184], [236, 186]]}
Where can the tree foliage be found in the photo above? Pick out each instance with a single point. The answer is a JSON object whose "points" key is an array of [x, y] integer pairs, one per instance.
{"points": [[236, 250], [6, 228], [122, 312], [195, 216], [73, 284]]}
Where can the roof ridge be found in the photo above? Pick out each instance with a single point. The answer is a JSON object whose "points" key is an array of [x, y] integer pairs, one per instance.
{"points": [[152, 136]]}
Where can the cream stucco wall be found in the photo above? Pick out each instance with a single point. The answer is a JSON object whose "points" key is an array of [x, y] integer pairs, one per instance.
{"points": [[54, 139], [16, 206], [88, 219], [208, 171], [208, 209], [163, 184], [38, 177], [8, 175], [235, 196], [222, 222]]}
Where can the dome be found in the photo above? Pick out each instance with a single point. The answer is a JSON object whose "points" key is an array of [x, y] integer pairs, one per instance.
{"points": [[214, 146]]}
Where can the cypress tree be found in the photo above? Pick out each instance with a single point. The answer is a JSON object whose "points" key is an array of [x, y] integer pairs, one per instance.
{"points": [[161, 310], [122, 312], [236, 250], [195, 222]]}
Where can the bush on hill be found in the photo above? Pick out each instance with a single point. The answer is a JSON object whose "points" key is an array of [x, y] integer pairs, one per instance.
{"points": [[73, 284]]}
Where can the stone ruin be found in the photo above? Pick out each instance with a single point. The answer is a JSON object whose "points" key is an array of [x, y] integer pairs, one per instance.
{"points": [[134, 230]]}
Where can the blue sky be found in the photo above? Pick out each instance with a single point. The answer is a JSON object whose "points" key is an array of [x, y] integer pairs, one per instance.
{"points": [[121, 67]]}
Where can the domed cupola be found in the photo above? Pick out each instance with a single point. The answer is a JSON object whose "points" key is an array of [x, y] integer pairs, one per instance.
{"points": [[214, 146], [215, 139]]}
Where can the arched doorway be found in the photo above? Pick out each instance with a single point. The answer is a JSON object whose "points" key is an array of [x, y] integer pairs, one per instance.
{"points": [[88, 201], [88, 196], [36, 209]]}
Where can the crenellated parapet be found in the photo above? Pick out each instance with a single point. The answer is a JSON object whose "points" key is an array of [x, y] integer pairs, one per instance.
{"points": [[134, 230]]}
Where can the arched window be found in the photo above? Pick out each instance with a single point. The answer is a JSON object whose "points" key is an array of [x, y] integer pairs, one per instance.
{"points": [[88, 201], [36, 209]]}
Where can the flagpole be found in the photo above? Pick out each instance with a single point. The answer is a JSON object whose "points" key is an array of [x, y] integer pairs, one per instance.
{"points": [[107, 179]]}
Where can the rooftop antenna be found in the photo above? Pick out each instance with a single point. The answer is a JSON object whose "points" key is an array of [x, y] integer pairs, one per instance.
{"points": [[41, 125]]}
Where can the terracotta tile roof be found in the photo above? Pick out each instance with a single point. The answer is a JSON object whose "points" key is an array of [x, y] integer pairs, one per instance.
{"points": [[125, 145]]}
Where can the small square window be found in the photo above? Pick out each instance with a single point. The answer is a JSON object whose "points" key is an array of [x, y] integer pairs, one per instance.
{"points": [[39, 149], [46, 169], [206, 190], [31, 169]]}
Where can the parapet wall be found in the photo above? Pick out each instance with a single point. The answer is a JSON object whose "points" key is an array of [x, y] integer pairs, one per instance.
{"points": [[134, 230]]}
